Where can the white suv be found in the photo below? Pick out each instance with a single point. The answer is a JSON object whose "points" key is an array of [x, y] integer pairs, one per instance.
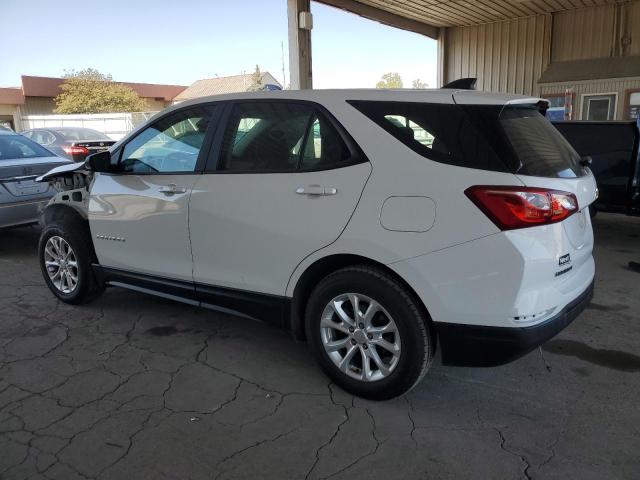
{"points": [[374, 224]]}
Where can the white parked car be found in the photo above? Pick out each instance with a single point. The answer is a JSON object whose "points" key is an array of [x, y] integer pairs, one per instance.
{"points": [[378, 225]]}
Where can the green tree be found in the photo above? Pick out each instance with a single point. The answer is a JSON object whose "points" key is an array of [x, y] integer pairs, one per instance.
{"points": [[417, 83], [89, 91], [256, 81], [390, 80]]}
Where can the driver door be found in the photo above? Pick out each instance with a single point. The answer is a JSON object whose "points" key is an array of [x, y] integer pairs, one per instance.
{"points": [[139, 215]]}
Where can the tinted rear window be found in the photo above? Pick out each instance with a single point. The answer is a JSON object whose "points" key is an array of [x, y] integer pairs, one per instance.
{"points": [[541, 150], [487, 137], [439, 132], [17, 146], [81, 134]]}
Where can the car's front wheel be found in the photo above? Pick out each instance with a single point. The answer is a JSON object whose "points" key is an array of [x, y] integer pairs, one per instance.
{"points": [[368, 333], [66, 256]]}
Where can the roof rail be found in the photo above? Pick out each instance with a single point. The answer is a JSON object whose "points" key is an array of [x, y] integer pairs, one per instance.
{"points": [[462, 84]]}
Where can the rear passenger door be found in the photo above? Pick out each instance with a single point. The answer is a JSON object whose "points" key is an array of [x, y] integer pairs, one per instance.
{"points": [[282, 183]]}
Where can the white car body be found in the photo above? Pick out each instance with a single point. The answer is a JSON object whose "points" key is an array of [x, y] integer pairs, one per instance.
{"points": [[242, 242]]}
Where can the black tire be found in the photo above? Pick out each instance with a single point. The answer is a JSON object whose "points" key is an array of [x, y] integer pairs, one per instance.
{"points": [[411, 319], [76, 233]]}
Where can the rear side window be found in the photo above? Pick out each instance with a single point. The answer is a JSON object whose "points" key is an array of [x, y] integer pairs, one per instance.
{"points": [[438, 132], [323, 146], [514, 139], [280, 137]]}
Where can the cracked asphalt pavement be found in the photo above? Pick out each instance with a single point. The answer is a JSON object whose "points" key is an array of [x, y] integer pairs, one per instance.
{"points": [[133, 386]]}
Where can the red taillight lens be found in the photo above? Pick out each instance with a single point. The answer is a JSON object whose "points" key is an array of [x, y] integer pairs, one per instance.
{"points": [[76, 150], [519, 207]]}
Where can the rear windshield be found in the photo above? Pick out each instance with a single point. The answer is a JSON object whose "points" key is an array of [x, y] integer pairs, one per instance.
{"points": [[487, 137], [17, 146], [81, 134], [540, 148]]}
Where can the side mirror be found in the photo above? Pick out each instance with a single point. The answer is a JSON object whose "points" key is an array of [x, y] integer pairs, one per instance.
{"points": [[586, 161], [100, 162]]}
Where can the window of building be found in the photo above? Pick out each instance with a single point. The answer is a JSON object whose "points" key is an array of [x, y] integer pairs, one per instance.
{"points": [[600, 107]]}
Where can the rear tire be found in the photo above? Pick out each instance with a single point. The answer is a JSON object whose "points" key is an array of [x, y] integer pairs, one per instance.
{"points": [[65, 254], [379, 353]]}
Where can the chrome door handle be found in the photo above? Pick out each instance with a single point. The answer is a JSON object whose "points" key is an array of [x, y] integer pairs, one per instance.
{"points": [[172, 188], [316, 190]]}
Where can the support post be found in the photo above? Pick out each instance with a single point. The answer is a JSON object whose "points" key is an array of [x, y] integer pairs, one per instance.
{"points": [[442, 57], [300, 71]]}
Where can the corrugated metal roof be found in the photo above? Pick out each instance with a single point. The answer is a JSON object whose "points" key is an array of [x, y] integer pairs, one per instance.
{"points": [[452, 13], [219, 85], [50, 87], [592, 69]]}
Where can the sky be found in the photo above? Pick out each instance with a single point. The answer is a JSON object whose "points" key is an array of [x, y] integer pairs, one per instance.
{"points": [[179, 42]]}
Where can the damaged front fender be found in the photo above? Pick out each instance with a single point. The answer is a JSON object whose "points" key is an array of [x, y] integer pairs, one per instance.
{"points": [[72, 184]]}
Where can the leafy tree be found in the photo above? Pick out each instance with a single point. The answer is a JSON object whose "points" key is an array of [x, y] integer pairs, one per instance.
{"points": [[390, 80], [256, 81], [417, 83], [89, 91]]}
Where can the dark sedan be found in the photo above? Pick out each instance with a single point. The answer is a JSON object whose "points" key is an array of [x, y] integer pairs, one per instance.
{"points": [[73, 143]]}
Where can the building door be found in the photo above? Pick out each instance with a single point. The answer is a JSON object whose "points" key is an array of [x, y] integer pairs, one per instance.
{"points": [[599, 107]]}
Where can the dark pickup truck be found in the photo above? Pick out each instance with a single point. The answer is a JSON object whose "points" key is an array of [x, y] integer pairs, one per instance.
{"points": [[613, 147]]}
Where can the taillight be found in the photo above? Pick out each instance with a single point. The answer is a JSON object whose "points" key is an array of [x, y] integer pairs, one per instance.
{"points": [[519, 207], [73, 150]]}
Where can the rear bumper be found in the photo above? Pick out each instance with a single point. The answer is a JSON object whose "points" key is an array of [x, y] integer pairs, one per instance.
{"points": [[483, 346], [22, 213]]}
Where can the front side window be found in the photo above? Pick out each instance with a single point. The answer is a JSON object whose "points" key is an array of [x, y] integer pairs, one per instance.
{"points": [[172, 144], [280, 137]]}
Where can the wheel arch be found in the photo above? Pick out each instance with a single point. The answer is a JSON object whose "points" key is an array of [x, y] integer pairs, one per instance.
{"points": [[327, 265], [61, 211], [57, 212]]}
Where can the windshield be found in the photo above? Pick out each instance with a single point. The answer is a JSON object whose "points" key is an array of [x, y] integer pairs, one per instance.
{"points": [[81, 134], [539, 147], [17, 146]]}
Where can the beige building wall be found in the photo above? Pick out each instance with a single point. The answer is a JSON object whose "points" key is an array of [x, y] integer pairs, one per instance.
{"points": [[505, 56], [11, 112], [619, 86], [38, 106], [594, 37], [511, 56]]}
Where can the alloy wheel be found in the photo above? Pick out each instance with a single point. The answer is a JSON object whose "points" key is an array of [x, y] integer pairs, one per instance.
{"points": [[61, 264], [360, 337]]}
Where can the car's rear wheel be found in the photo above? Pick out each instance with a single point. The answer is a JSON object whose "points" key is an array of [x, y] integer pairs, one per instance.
{"points": [[368, 332], [65, 256]]}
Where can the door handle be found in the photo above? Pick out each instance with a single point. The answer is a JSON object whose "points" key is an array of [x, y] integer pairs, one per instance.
{"points": [[316, 190], [172, 188]]}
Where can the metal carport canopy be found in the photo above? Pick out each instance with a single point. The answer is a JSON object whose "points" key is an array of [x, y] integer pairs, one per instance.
{"points": [[426, 17]]}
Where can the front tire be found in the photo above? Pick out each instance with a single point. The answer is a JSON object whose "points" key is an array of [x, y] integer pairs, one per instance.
{"points": [[368, 333], [65, 254]]}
